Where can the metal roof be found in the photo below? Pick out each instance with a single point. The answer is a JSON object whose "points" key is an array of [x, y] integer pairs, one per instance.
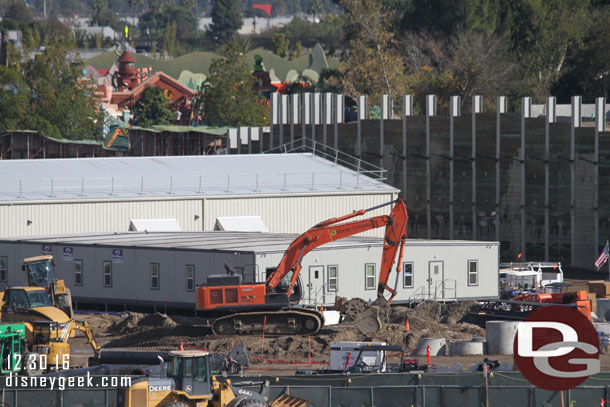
{"points": [[256, 242], [212, 175]]}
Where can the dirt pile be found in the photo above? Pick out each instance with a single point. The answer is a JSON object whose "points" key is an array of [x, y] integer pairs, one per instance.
{"points": [[134, 321]]}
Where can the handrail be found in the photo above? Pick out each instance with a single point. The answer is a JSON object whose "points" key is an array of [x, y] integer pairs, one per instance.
{"points": [[338, 157]]}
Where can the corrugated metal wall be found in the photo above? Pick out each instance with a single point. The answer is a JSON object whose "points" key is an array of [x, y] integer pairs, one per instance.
{"points": [[282, 214], [295, 214], [92, 217]]}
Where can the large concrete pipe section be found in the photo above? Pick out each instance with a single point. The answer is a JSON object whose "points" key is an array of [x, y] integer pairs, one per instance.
{"points": [[437, 347], [603, 309], [500, 336], [461, 348]]}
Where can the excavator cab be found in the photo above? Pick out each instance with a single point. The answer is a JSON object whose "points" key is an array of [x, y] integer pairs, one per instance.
{"points": [[40, 272], [48, 341], [297, 290]]}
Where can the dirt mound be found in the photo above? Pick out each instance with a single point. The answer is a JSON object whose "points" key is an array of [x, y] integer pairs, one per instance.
{"points": [[134, 321], [157, 320]]}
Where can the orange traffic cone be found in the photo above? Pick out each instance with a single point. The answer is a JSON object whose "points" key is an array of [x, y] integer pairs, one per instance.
{"points": [[407, 327]]}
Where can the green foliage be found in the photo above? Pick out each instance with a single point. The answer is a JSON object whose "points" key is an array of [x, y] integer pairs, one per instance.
{"points": [[48, 94], [160, 15], [328, 33], [226, 20], [373, 66], [97, 8], [228, 95], [18, 12], [151, 108], [587, 70], [542, 33], [169, 38], [280, 44]]}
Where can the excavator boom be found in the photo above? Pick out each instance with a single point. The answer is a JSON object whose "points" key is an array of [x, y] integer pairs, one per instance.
{"points": [[330, 230], [253, 306]]}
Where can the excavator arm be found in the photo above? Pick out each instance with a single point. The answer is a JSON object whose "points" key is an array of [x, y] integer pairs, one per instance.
{"points": [[332, 229]]}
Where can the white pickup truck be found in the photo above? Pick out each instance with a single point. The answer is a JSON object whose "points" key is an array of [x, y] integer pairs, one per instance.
{"points": [[536, 275]]}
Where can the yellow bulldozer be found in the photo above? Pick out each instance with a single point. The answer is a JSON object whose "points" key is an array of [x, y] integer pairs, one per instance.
{"points": [[40, 272]]}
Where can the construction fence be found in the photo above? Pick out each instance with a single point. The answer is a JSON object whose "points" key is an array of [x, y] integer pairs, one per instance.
{"points": [[503, 389]]}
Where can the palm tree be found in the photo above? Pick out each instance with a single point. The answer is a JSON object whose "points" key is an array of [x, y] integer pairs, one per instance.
{"points": [[134, 4], [98, 7]]}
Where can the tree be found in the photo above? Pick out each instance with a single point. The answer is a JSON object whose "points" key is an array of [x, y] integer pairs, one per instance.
{"points": [[587, 70], [151, 108], [161, 15], [49, 94], [373, 67], [134, 4], [228, 95], [18, 11], [98, 7], [280, 44], [13, 99], [542, 33], [315, 8], [226, 19]]}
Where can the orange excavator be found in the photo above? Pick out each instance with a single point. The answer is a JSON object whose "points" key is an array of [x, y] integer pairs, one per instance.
{"points": [[250, 308]]}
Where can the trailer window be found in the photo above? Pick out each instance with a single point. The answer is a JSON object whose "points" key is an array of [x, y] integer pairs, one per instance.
{"points": [[78, 272], [473, 272], [154, 276], [332, 277], [3, 263], [107, 274], [408, 275], [190, 278], [369, 276]]}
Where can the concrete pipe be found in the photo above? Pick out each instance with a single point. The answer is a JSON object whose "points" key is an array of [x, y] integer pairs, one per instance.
{"points": [[437, 347], [500, 336], [461, 348], [603, 309]]}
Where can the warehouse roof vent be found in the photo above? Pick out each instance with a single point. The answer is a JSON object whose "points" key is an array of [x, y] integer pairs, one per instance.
{"points": [[240, 224], [154, 225]]}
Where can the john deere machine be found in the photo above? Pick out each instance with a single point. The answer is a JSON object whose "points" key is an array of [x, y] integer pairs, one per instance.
{"points": [[14, 355], [189, 383], [40, 272]]}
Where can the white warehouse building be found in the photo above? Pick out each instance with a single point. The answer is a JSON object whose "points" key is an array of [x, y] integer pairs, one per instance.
{"points": [[279, 193], [163, 269]]}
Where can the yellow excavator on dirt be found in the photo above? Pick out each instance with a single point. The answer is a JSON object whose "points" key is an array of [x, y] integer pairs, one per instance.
{"points": [[40, 273], [52, 341], [189, 382]]}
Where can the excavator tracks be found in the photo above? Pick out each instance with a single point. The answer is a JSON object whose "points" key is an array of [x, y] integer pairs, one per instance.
{"points": [[287, 321]]}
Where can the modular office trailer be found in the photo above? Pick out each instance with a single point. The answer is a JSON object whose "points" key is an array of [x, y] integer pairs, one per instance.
{"points": [[164, 269]]}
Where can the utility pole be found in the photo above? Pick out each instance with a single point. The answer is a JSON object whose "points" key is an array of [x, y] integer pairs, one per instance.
{"points": [[196, 24]]}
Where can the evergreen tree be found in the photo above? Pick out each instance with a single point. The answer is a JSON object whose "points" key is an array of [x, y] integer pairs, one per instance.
{"points": [[228, 95], [151, 108], [226, 19]]}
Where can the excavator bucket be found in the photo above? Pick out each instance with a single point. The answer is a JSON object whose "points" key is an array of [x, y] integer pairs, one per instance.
{"points": [[368, 322], [286, 400]]}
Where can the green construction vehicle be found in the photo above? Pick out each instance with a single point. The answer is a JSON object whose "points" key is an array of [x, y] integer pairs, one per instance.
{"points": [[13, 351]]}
